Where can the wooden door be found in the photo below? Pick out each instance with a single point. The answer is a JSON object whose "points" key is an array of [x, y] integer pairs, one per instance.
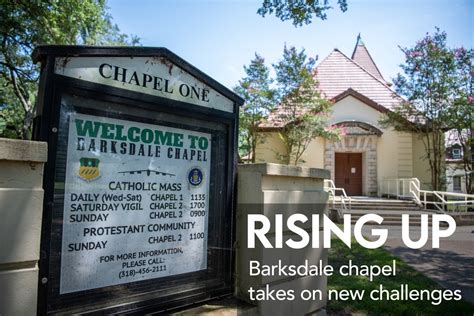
{"points": [[348, 172]]}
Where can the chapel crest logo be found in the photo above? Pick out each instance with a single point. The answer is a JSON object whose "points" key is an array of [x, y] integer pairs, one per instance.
{"points": [[195, 176], [89, 168]]}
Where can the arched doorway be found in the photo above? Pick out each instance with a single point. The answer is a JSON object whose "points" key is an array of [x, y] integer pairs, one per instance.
{"points": [[353, 160]]}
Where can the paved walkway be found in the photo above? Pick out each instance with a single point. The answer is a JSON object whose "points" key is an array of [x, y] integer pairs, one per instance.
{"points": [[451, 265]]}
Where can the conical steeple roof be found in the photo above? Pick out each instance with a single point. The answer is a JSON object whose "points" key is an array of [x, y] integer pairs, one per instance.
{"points": [[362, 57]]}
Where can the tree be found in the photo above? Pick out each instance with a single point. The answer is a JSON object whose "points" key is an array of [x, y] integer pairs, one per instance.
{"points": [[461, 112], [259, 101], [11, 113], [26, 24], [431, 84], [299, 11], [303, 113]]}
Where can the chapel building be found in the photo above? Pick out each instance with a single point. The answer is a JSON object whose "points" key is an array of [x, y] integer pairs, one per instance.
{"points": [[368, 153]]}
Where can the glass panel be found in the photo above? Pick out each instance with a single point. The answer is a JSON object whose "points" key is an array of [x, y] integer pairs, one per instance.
{"points": [[139, 210]]}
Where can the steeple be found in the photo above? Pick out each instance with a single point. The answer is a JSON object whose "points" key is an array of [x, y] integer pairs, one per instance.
{"points": [[362, 57], [359, 42]]}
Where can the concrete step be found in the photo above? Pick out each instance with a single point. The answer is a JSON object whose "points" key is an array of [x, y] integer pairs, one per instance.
{"points": [[391, 202], [399, 223], [395, 206], [381, 201], [390, 210], [384, 207], [462, 218], [392, 217], [375, 200], [381, 208], [415, 212]]}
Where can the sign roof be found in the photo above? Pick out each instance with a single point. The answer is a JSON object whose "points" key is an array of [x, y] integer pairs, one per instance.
{"points": [[150, 70]]}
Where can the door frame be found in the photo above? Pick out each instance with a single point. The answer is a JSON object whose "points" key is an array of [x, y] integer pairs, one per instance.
{"points": [[365, 144], [363, 166]]}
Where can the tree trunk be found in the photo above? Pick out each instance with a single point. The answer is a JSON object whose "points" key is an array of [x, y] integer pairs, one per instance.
{"points": [[253, 149], [26, 128], [470, 154]]}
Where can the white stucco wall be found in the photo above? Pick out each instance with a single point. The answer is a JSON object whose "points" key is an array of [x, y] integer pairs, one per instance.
{"points": [[350, 108], [268, 148], [312, 157], [394, 149]]}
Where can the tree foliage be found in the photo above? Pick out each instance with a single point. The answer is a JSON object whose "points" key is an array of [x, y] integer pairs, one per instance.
{"points": [[302, 111], [259, 98], [434, 83], [26, 24], [295, 102], [461, 113], [299, 11]]}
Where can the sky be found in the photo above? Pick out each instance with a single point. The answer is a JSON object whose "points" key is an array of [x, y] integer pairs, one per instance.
{"points": [[221, 36]]}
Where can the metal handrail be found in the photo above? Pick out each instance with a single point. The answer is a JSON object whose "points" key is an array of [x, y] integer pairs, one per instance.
{"points": [[439, 199], [330, 187]]}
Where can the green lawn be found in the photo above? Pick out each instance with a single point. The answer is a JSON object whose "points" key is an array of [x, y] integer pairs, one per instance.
{"points": [[340, 254]]}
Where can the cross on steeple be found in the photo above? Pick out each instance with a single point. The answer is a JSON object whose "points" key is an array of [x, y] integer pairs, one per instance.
{"points": [[359, 40]]}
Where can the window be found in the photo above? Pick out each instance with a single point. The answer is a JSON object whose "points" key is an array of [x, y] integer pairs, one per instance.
{"points": [[456, 183], [456, 153]]}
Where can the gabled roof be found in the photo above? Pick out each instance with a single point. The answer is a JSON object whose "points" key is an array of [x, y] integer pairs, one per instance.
{"points": [[337, 73], [339, 76], [361, 56], [360, 97]]}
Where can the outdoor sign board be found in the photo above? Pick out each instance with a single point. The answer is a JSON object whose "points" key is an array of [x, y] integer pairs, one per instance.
{"points": [[138, 207]]}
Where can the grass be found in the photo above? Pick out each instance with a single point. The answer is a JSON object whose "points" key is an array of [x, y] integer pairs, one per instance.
{"points": [[340, 254]]}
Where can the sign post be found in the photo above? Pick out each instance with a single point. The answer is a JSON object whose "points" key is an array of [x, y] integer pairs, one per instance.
{"points": [[138, 209]]}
